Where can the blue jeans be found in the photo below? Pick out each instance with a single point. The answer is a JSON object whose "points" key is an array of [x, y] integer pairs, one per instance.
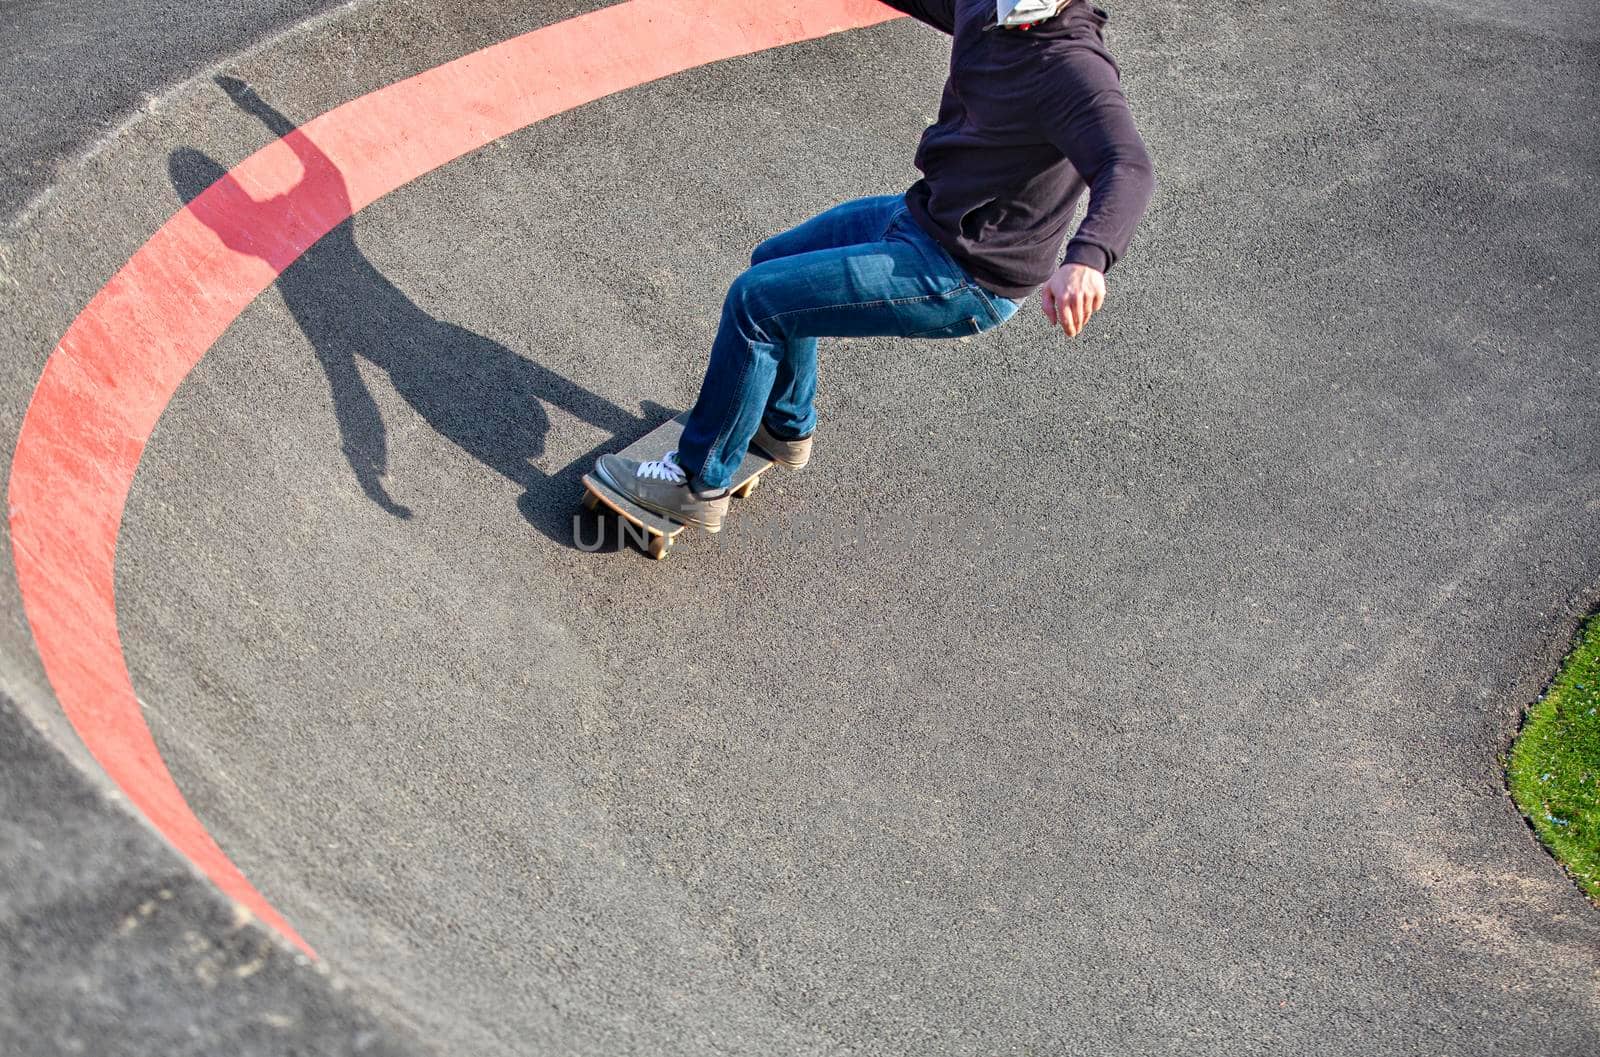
{"points": [[861, 269]]}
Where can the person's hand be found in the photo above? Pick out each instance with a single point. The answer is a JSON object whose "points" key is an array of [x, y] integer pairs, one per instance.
{"points": [[1073, 294]]}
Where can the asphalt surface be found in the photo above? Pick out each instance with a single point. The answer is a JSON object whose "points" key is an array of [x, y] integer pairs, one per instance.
{"points": [[1136, 694], [109, 944], [71, 71]]}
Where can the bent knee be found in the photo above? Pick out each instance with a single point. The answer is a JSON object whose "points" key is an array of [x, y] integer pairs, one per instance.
{"points": [[749, 305], [743, 293], [767, 250]]}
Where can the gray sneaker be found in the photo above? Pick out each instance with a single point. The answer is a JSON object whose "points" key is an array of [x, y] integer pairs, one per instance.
{"points": [[790, 454], [661, 485]]}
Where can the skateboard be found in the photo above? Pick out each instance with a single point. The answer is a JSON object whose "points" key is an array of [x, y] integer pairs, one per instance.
{"points": [[659, 528]]}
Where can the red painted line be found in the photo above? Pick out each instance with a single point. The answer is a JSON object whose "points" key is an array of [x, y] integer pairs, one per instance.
{"points": [[119, 363]]}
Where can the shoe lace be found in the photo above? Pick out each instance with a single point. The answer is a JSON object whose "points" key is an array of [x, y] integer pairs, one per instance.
{"points": [[665, 468]]}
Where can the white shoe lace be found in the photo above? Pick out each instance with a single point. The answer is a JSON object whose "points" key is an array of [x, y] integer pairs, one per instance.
{"points": [[665, 468]]}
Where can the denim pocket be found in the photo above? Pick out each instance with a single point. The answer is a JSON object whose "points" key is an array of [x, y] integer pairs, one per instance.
{"points": [[965, 327], [1000, 308]]}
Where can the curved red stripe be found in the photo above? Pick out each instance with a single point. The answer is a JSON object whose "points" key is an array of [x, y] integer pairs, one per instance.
{"points": [[118, 365]]}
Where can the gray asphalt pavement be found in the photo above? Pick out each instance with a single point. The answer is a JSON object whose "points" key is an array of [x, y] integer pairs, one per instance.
{"points": [[71, 71], [1138, 694]]}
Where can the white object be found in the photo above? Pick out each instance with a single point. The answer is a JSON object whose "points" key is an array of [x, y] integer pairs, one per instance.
{"points": [[1024, 12]]}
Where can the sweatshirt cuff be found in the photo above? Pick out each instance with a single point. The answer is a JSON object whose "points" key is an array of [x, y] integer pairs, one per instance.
{"points": [[1088, 254]]}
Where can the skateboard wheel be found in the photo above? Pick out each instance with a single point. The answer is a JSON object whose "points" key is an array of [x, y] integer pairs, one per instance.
{"points": [[658, 547], [748, 487], [590, 500]]}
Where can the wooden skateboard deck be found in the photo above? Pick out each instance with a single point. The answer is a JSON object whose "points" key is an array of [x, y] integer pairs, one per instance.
{"points": [[659, 528]]}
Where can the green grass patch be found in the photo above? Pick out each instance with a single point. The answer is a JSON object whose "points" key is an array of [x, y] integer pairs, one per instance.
{"points": [[1554, 771]]}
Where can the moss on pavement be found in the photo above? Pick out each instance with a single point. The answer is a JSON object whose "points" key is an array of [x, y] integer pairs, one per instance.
{"points": [[1554, 771]]}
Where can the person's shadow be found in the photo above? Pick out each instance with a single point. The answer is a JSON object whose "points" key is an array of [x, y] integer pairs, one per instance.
{"points": [[474, 391]]}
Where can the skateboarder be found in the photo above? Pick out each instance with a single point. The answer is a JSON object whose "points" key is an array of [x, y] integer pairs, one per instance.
{"points": [[1032, 114]]}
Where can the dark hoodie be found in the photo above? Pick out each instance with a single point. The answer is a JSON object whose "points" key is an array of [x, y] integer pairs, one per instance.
{"points": [[1028, 120]]}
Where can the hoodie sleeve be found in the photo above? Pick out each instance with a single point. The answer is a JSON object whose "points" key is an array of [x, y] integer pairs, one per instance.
{"points": [[1086, 117], [940, 14]]}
